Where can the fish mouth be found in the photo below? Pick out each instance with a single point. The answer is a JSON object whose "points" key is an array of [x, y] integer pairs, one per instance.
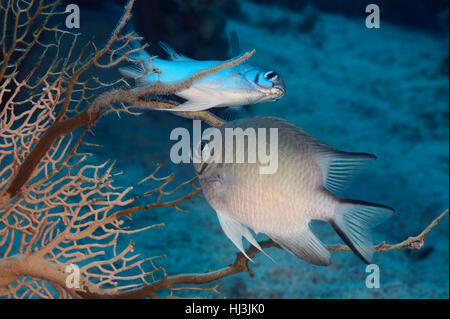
{"points": [[278, 88], [279, 92]]}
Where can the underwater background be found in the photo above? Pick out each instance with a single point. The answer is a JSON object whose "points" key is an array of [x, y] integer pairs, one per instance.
{"points": [[383, 91]]}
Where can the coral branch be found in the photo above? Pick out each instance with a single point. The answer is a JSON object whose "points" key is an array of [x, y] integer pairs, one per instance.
{"points": [[415, 242], [94, 110], [240, 265], [47, 259], [59, 212], [206, 116], [55, 210]]}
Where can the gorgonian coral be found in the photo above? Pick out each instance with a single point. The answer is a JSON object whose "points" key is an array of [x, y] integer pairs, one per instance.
{"points": [[58, 208]]}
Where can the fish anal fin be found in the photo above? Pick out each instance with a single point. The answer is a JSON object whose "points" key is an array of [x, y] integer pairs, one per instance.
{"points": [[305, 245], [189, 106]]}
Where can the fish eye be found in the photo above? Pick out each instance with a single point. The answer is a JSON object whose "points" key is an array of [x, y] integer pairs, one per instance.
{"points": [[204, 147], [271, 75], [198, 151]]}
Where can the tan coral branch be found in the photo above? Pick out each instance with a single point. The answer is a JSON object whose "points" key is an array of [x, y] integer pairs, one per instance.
{"points": [[241, 265]]}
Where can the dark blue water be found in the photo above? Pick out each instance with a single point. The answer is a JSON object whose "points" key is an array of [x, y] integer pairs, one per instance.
{"points": [[382, 91]]}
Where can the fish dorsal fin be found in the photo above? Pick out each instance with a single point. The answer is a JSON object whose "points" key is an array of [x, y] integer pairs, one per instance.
{"points": [[235, 48], [174, 56], [234, 44], [235, 230], [305, 245], [338, 168]]}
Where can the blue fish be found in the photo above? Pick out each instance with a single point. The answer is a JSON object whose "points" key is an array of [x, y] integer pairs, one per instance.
{"points": [[233, 87]]}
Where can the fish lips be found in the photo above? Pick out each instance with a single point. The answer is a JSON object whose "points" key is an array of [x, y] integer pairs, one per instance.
{"points": [[279, 91], [278, 88]]}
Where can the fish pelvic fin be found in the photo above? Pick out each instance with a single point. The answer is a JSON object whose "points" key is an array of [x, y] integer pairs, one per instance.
{"points": [[305, 245], [134, 49], [232, 113], [353, 222], [235, 231]]}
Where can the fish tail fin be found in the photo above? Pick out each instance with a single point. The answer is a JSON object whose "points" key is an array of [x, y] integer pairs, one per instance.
{"points": [[173, 55], [133, 71], [353, 222], [137, 55], [134, 49]]}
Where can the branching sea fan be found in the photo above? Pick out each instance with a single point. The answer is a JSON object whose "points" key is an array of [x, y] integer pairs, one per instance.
{"points": [[62, 218]]}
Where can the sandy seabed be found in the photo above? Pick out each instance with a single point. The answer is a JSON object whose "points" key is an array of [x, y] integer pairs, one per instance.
{"points": [[380, 91]]}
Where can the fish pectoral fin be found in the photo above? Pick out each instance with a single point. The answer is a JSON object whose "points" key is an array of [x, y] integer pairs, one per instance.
{"points": [[305, 245], [235, 230]]}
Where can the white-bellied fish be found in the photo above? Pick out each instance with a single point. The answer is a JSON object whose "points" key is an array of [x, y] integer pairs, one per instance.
{"points": [[310, 174], [232, 87]]}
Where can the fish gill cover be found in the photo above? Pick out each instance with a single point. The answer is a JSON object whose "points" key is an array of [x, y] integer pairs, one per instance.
{"points": [[81, 221]]}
